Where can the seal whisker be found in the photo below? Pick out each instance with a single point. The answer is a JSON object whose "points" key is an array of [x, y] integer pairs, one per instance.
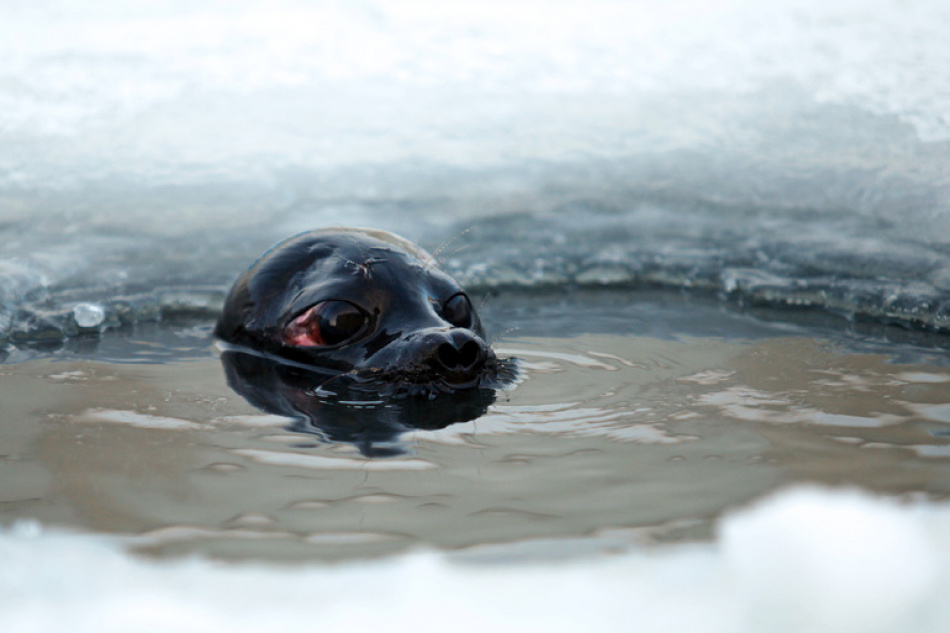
{"points": [[497, 338], [459, 249], [435, 255]]}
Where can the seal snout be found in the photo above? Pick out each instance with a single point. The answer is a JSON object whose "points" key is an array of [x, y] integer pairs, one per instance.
{"points": [[462, 358], [456, 356]]}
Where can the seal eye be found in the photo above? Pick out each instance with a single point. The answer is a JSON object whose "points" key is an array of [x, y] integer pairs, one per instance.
{"points": [[458, 311], [326, 323]]}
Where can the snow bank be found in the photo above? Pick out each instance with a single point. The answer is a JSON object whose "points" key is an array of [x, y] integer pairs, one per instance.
{"points": [[804, 560]]}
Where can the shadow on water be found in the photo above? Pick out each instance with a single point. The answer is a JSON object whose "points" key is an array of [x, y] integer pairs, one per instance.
{"points": [[373, 426]]}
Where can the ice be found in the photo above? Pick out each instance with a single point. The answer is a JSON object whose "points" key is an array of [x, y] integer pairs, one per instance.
{"points": [[89, 315], [852, 564], [791, 153], [805, 560]]}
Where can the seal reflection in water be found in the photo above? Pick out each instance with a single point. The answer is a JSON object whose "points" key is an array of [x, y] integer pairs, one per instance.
{"points": [[373, 426], [356, 314]]}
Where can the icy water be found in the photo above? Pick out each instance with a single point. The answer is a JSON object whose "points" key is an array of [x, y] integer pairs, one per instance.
{"points": [[642, 417], [715, 234]]}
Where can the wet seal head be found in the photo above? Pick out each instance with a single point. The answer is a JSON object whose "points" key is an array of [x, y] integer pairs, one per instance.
{"points": [[367, 310]]}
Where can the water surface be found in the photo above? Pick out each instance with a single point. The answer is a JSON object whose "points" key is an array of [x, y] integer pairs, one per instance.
{"points": [[612, 439]]}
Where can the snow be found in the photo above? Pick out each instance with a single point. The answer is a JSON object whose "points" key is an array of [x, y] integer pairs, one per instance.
{"points": [[806, 559]]}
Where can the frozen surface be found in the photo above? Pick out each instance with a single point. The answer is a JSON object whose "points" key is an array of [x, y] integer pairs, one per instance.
{"points": [[805, 560], [787, 153]]}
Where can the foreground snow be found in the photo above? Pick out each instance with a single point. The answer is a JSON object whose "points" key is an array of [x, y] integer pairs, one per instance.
{"points": [[804, 560]]}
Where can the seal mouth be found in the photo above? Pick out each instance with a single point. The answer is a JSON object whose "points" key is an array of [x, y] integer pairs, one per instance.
{"points": [[496, 374]]}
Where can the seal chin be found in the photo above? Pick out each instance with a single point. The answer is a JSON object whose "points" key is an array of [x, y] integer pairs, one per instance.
{"points": [[460, 383]]}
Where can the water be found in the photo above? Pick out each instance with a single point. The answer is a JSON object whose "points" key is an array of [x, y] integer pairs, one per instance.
{"points": [[714, 232], [610, 428], [616, 474]]}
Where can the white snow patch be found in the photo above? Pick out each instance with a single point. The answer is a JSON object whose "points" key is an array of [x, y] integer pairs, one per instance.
{"points": [[806, 560]]}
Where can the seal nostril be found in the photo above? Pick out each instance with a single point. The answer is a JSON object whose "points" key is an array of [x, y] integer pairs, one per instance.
{"points": [[448, 356], [462, 358], [469, 354]]}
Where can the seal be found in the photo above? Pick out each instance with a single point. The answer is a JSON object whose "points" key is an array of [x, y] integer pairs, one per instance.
{"points": [[366, 307]]}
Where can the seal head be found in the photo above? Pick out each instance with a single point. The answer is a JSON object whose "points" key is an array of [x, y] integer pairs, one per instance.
{"points": [[366, 305]]}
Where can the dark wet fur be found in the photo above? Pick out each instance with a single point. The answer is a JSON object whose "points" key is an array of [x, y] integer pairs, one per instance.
{"points": [[409, 351]]}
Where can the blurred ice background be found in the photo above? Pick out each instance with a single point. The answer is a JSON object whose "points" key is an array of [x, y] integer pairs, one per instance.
{"points": [[791, 153]]}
